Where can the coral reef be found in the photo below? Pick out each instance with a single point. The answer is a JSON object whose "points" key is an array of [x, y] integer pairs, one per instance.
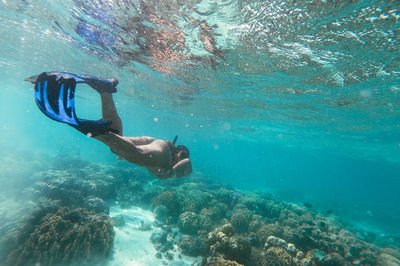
{"points": [[188, 222], [193, 246], [224, 242], [240, 220], [228, 197], [96, 204], [64, 237], [161, 214], [218, 261], [267, 230], [276, 252], [75, 191], [168, 199], [196, 216], [71, 188], [255, 223], [194, 201], [255, 229], [277, 256]]}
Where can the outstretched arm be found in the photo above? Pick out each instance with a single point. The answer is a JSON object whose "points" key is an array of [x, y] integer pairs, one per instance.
{"points": [[183, 168]]}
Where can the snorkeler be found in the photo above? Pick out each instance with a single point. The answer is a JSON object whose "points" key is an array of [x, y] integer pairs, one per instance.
{"points": [[54, 95]]}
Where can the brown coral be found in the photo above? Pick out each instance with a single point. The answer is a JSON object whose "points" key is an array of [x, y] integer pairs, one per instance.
{"points": [[169, 200], [240, 222], [268, 230], [218, 261], [273, 256], [194, 201], [234, 247], [188, 223], [64, 237]]}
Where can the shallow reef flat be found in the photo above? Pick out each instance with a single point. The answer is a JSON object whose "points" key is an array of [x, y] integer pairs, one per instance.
{"points": [[71, 212]]}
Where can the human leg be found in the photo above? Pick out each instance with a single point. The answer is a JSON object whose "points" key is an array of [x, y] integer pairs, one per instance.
{"points": [[109, 112]]}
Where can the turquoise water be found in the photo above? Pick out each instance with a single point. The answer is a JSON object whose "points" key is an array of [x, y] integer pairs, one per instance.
{"points": [[298, 99]]}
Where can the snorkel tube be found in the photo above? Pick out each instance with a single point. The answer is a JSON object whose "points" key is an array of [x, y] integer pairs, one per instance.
{"points": [[175, 139]]}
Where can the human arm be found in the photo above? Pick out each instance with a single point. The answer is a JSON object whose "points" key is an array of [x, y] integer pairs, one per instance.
{"points": [[182, 168]]}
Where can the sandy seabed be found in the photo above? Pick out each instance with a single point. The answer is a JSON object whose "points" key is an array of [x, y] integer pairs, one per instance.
{"points": [[132, 244]]}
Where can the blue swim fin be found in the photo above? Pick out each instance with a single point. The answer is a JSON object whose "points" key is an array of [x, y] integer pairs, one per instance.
{"points": [[55, 97], [100, 85]]}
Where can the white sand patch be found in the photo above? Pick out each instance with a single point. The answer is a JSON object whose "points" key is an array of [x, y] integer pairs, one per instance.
{"points": [[132, 245]]}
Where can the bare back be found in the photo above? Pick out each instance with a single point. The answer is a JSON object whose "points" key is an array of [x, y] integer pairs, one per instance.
{"points": [[154, 154]]}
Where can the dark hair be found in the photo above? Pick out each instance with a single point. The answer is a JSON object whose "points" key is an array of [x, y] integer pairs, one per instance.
{"points": [[185, 151]]}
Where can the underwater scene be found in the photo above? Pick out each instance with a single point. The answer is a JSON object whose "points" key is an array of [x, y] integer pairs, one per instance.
{"points": [[199, 132]]}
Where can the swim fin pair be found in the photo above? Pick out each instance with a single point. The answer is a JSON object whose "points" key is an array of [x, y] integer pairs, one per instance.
{"points": [[55, 97]]}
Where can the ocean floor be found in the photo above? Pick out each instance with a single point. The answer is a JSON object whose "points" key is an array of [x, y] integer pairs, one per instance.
{"points": [[71, 212], [132, 242]]}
